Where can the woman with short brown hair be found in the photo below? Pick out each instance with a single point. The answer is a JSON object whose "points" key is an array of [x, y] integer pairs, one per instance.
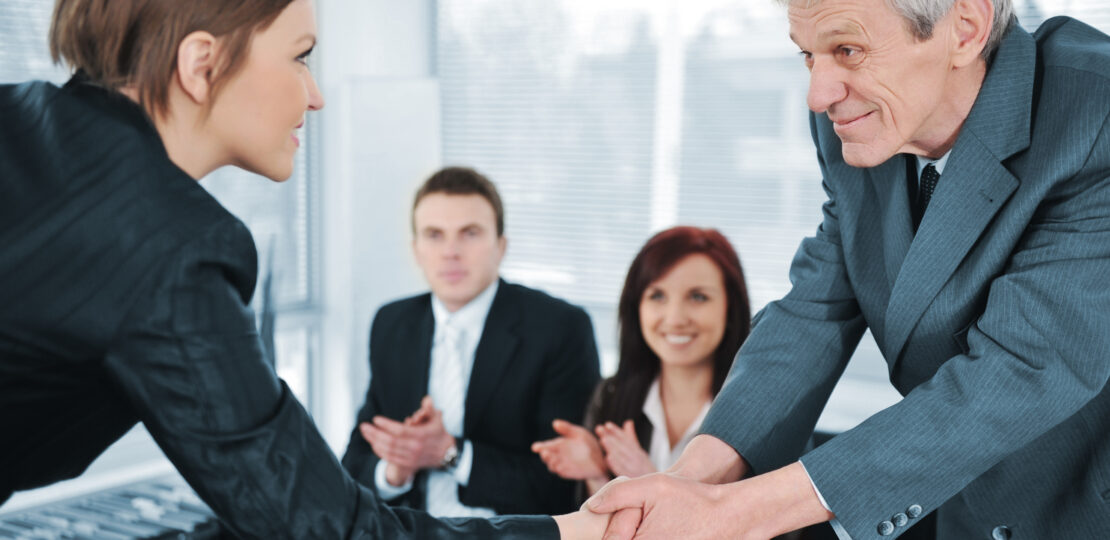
{"points": [[124, 284]]}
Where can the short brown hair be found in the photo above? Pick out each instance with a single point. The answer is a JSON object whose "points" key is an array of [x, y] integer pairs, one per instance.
{"points": [[118, 43], [462, 181]]}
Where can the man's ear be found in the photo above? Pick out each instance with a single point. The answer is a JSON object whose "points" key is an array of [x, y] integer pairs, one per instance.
{"points": [[196, 64], [972, 23]]}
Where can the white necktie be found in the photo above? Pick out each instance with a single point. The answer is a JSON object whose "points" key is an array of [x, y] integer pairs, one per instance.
{"points": [[447, 384]]}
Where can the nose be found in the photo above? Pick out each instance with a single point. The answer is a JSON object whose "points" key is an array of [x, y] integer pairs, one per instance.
{"points": [[315, 98], [451, 248], [826, 86], [675, 314]]}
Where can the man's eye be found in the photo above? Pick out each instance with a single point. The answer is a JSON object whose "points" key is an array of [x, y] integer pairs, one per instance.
{"points": [[849, 53]]}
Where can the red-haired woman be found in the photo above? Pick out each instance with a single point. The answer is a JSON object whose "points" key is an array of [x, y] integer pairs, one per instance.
{"points": [[683, 314]]}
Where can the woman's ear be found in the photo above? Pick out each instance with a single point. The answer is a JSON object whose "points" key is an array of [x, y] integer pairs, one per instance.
{"points": [[974, 19], [196, 65]]}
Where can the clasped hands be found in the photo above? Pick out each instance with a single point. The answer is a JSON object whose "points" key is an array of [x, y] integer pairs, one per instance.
{"points": [[418, 442], [700, 497]]}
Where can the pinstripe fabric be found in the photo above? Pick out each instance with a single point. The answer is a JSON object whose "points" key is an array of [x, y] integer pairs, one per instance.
{"points": [[993, 319], [123, 299]]}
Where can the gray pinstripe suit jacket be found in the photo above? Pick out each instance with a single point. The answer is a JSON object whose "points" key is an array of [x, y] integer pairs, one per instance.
{"points": [[994, 319]]}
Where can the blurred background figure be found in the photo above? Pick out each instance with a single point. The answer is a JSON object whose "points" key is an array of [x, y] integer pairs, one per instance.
{"points": [[683, 314], [465, 377]]}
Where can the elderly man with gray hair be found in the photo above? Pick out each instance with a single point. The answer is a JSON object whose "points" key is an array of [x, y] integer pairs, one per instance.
{"points": [[967, 168]]}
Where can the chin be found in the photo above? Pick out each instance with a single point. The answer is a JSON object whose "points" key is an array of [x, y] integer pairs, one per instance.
{"points": [[277, 174], [863, 156]]}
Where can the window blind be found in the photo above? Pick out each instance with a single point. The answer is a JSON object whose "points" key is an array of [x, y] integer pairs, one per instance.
{"points": [[604, 121]]}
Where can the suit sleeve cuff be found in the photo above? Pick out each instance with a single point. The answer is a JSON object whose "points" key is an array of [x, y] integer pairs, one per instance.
{"points": [[841, 533], [466, 463], [386, 490]]}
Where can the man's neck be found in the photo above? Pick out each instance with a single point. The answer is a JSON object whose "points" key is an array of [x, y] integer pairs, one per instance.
{"points": [[963, 87]]}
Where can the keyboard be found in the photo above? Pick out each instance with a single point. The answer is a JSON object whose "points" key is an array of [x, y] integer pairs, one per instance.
{"points": [[164, 508]]}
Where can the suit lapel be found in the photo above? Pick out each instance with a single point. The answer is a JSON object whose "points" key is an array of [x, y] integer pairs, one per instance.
{"points": [[897, 225], [973, 187], [416, 381], [491, 359], [969, 195]]}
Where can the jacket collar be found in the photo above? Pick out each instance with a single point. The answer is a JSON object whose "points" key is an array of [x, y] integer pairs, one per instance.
{"points": [[974, 187]]}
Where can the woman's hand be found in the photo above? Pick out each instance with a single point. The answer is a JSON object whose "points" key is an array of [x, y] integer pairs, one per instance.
{"points": [[623, 453], [582, 525], [574, 455]]}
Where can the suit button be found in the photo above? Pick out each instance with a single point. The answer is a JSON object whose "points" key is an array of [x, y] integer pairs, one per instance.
{"points": [[1001, 532], [886, 528], [899, 519], [913, 511]]}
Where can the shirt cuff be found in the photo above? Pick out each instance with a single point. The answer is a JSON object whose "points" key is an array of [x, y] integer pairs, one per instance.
{"points": [[386, 490], [841, 533], [466, 462]]}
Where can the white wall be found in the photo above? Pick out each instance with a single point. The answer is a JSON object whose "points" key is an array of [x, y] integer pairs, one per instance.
{"points": [[380, 133]]}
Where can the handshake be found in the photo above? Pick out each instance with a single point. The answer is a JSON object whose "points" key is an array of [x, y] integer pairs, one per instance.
{"points": [[701, 497], [618, 510]]}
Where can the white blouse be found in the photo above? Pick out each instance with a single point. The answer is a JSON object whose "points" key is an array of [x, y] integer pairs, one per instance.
{"points": [[660, 451]]}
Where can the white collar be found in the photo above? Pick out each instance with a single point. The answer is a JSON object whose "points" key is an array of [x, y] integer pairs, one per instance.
{"points": [[471, 315], [938, 163], [653, 409]]}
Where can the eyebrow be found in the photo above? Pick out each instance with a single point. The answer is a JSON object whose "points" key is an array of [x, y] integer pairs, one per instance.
{"points": [[308, 36], [844, 29], [847, 28]]}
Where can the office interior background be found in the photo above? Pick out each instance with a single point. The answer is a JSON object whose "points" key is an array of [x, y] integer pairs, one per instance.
{"points": [[601, 122]]}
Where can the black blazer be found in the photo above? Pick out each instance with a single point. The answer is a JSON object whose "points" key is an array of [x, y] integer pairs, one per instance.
{"points": [[123, 298], [536, 361]]}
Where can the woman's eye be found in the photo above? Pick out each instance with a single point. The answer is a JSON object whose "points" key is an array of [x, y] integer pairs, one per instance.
{"points": [[303, 57]]}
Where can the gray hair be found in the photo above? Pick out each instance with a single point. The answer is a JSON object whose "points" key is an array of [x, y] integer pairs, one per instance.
{"points": [[921, 17]]}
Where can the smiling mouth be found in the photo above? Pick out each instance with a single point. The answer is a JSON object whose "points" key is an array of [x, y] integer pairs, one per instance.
{"points": [[678, 339], [839, 125]]}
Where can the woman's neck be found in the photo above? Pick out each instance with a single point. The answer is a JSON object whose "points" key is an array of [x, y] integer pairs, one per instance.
{"points": [[684, 391], [686, 384], [181, 129]]}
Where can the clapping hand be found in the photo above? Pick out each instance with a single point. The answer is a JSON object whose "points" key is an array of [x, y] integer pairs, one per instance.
{"points": [[623, 453], [419, 442], [574, 455]]}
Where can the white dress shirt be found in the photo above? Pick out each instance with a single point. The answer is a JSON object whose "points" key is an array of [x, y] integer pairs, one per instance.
{"points": [[662, 454], [453, 345], [938, 164]]}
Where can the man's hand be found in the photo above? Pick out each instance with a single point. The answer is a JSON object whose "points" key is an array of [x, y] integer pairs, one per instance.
{"points": [[670, 507], [575, 455], [674, 507], [710, 460], [623, 452], [418, 443]]}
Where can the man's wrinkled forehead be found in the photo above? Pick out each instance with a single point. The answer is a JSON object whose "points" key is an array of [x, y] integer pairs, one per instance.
{"points": [[831, 18], [840, 28]]}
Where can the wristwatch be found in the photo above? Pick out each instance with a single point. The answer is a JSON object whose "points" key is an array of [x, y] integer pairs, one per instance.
{"points": [[451, 457]]}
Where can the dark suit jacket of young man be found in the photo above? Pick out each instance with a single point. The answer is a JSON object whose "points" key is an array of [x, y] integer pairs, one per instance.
{"points": [[994, 319], [123, 299], [536, 361]]}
